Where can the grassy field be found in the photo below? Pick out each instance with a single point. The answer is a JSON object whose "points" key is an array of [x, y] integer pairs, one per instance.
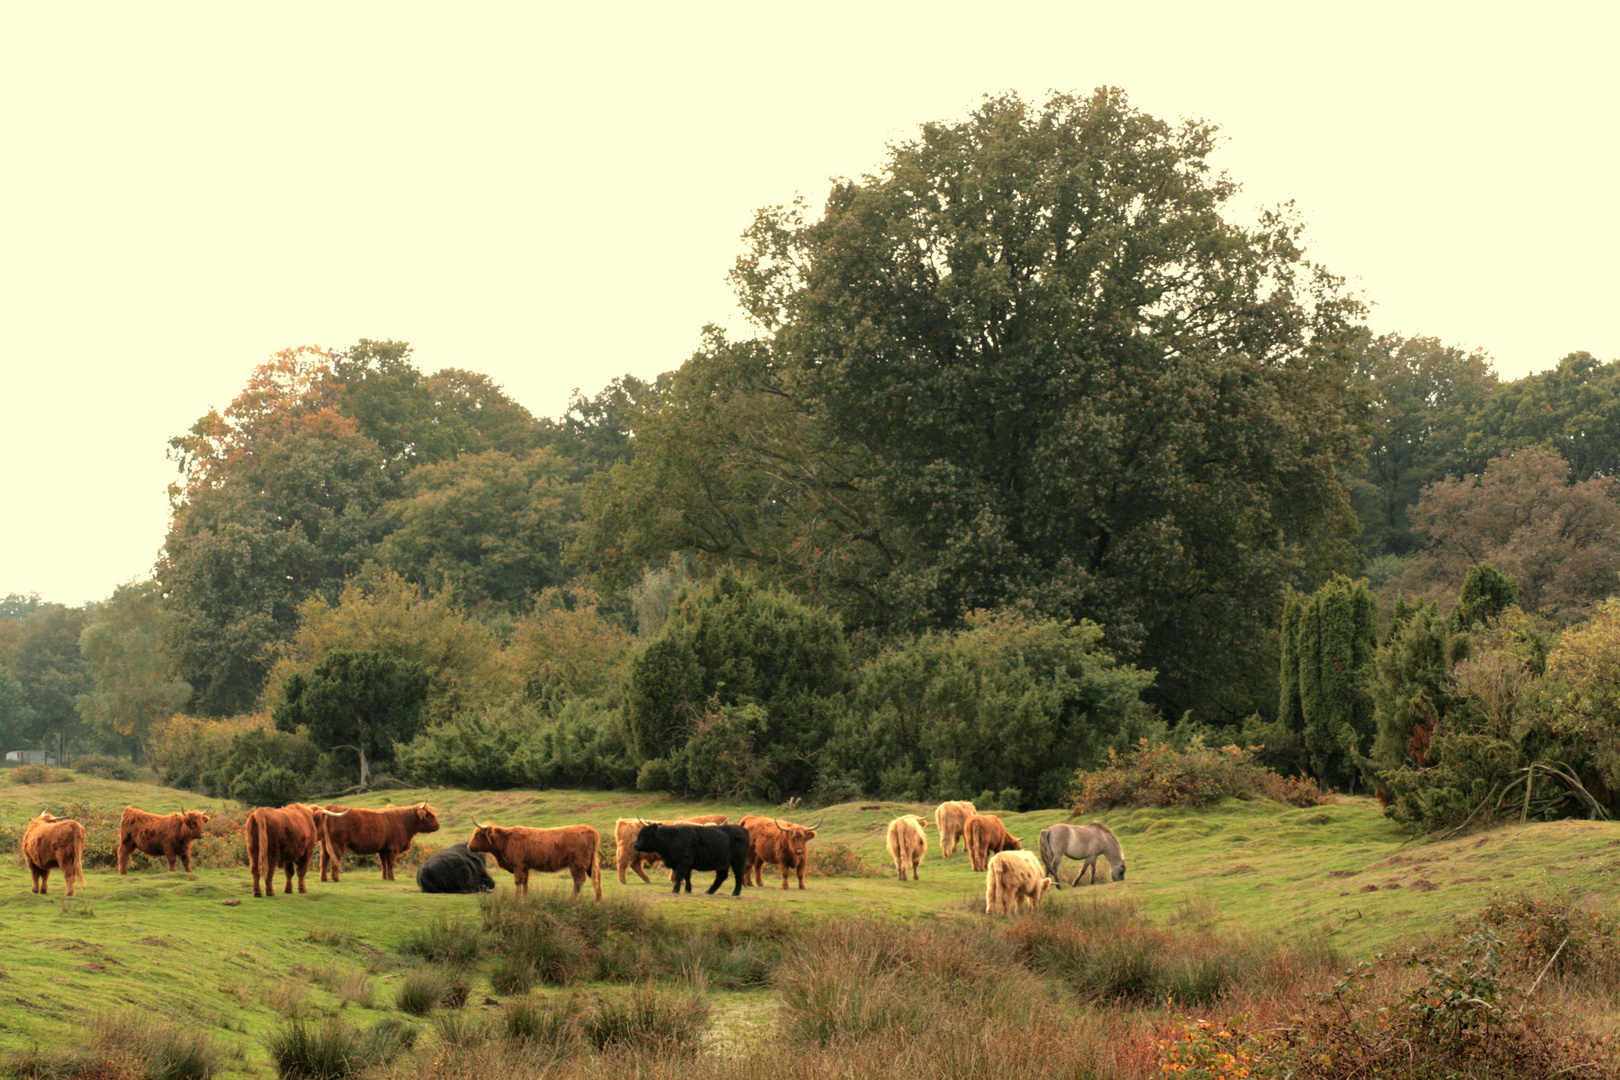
{"points": [[200, 948]]}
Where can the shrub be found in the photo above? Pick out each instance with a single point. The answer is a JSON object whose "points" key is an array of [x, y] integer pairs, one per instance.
{"points": [[1555, 935], [105, 766], [1156, 775], [421, 991], [832, 859], [40, 774]]}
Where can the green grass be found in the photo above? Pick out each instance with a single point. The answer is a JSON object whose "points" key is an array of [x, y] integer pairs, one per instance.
{"points": [[176, 945]]}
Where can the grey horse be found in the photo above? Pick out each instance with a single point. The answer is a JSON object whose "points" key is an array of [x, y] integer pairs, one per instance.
{"points": [[1084, 842]]}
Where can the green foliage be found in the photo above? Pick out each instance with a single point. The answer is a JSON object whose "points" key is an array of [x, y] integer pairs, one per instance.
{"points": [[104, 766], [517, 744], [262, 767], [1328, 640], [1157, 775], [1425, 398], [734, 643], [135, 682], [42, 675], [489, 528], [987, 376], [358, 699], [1556, 935], [1572, 408], [40, 774], [1014, 701], [1486, 593]]}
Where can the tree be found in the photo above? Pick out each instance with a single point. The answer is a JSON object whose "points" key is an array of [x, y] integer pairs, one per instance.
{"points": [[135, 681], [1486, 593], [1572, 409], [1559, 540], [734, 643], [1028, 362], [1011, 702], [1425, 397], [1411, 688], [41, 654], [355, 699], [290, 520], [488, 527], [1328, 639], [382, 612]]}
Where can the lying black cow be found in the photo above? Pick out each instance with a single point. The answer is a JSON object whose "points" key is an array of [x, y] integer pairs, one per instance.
{"points": [[454, 870], [685, 848]]}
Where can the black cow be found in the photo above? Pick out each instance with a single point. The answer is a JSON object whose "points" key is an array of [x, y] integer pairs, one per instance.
{"points": [[685, 848], [454, 870]]}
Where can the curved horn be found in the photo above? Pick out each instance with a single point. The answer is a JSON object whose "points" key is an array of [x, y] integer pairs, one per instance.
{"points": [[817, 825], [332, 813]]}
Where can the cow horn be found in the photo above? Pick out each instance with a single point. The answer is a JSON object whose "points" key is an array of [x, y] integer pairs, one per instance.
{"points": [[332, 813], [817, 825]]}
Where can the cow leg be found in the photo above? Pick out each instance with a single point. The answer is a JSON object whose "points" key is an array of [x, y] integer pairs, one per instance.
{"points": [[171, 862], [125, 850], [44, 881], [580, 877], [916, 870], [520, 881], [387, 860], [185, 859], [719, 879], [800, 871]]}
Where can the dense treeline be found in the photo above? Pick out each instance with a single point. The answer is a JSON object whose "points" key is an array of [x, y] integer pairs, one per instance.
{"points": [[1034, 452]]}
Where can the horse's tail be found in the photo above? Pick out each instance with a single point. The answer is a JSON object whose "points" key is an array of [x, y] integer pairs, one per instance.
{"points": [[1047, 859]]}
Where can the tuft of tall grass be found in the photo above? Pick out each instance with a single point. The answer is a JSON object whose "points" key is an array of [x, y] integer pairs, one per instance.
{"points": [[511, 976], [648, 1020], [335, 1050], [123, 1046], [544, 1023], [421, 990], [350, 987], [443, 940]]}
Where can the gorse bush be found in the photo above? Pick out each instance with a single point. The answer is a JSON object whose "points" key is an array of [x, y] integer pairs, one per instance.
{"points": [[104, 766], [40, 774], [1157, 775]]}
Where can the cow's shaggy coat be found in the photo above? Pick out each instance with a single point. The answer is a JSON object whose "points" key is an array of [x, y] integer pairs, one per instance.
{"points": [[454, 870], [625, 855], [165, 836], [951, 819], [986, 835], [907, 841], [1013, 879], [519, 850], [281, 839], [386, 834], [49, 842], [775, 841], [684, 848]]}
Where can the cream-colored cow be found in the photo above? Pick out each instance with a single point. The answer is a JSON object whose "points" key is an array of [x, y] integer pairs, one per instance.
{"points": [[908, 841], [951, 820], [1012, 878]]}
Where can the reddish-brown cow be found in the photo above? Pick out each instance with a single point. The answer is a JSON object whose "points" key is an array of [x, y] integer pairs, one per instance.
{"points": [[987, 836], [386, 834], [519, 850], [167, 836], [49, 842], [282, 839], [627, 857], [779, 842]]}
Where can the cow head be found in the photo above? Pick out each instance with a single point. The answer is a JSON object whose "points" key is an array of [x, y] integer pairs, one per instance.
{"points": [[426, 819], [1040, 889], [797, 838], [192, 822], [647, 838], [483, 838], [1014, 843]]}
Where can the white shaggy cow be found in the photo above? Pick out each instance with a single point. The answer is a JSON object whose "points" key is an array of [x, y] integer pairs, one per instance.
{"points": [[1012, 878], [951, 819]]}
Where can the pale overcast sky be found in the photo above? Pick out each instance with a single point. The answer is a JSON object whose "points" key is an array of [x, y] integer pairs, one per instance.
{"points": [[553, 197]]}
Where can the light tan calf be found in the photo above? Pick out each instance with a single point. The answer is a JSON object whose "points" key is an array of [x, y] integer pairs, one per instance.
{"points": [[908, 841], [1013, 878], [951, 819]]}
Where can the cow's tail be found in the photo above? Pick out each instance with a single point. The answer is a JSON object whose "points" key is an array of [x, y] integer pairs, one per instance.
{"points": [[596, 874]]}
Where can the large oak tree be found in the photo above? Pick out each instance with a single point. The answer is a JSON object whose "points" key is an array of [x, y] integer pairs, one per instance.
{"points": [[1031, 360]]}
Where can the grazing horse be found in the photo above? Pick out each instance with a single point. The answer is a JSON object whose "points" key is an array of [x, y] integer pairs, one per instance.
{"points": [[1084, 842]]}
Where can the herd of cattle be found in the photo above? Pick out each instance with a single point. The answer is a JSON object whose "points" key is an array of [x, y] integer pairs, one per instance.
{"points": [[285, 839]]}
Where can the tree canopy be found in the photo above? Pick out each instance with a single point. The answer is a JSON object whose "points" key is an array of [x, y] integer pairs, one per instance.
{"points": [[1029, 361]]}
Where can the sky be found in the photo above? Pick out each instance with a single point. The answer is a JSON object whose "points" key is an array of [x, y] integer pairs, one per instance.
{"points": [[553, 195]]}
